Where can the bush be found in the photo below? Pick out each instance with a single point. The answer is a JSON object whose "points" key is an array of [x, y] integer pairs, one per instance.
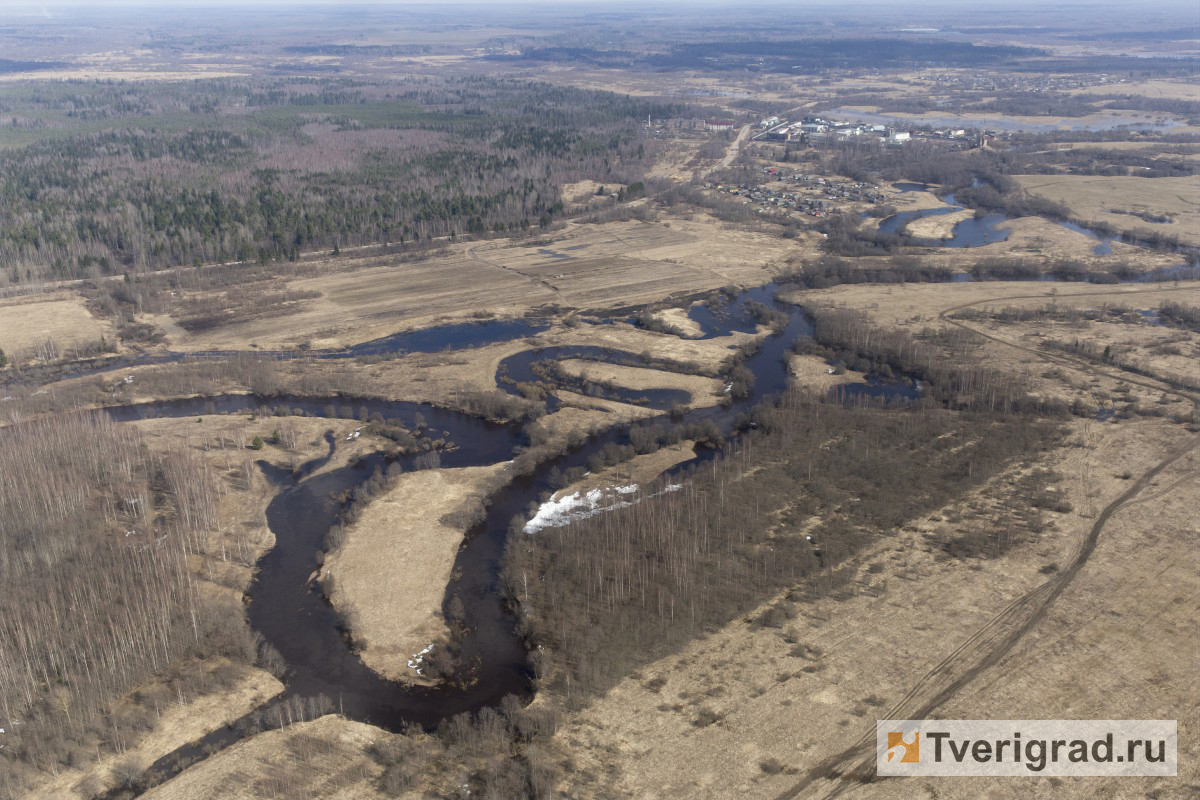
{"points": [[771, 766]]}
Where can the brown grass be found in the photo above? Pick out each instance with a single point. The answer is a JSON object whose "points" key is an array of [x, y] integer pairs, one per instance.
{"points": [[1180, 90], [919, 304], [813, 372], [1093, 196], [326, 758], [391, 571], [677, 319], [62, 316], [584, 266], [937, 227], [704, 391], [177, 726]]}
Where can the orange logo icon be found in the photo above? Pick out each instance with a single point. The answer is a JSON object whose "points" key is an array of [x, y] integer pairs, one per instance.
{"points": [[903, 751]]}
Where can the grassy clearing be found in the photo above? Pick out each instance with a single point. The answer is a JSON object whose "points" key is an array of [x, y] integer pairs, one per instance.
{"points": [[61, 317], [1093, 197]]}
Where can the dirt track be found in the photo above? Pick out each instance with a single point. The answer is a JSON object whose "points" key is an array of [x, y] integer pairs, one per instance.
{"points": [[996, 639]]}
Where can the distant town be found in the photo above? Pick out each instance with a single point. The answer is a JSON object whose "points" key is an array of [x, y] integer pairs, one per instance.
{"points": [[813, 130], [817, 129], [815, 203]]}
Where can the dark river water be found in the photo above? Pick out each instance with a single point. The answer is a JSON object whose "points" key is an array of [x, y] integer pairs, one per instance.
{"points": [[972, 232]]}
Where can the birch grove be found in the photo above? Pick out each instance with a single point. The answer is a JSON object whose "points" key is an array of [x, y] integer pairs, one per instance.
{"points": [[95, 536]]}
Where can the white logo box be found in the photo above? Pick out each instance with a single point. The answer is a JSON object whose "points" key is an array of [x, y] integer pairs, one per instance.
{"points": [[1132, 747]]}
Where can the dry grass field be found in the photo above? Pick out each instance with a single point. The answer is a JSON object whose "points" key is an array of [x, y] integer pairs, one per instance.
{"points": [[937, 227], [1094, 197], [1040, 239], [678, 320], [705, 352], [584, 266], [678, 160], [325, 758], [390, 573], [704, 391], [1172, 89], [920, 304], [913, 201], [1137, 144], [1101, 119], [917, 307], [786, 699], [25, 323], [179, 724], [814, 373]]}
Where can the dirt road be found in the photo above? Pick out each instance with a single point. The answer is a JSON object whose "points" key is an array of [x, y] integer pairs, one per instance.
{"points": [[731, 153]]}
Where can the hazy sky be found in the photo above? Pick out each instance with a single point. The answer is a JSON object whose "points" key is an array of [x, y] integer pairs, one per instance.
{"points": [[1188, 10], [1048, 5]]}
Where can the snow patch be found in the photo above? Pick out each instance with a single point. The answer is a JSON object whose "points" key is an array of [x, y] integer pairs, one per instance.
{"points": [[415, 661], [581, 505]]}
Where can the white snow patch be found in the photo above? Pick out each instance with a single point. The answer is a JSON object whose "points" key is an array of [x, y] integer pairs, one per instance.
{"points": [[581, 505], [415, 661]]}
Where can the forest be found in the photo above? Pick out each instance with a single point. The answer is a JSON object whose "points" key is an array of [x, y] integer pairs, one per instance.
{"points": [[118, 181], [783, 506], [95, 537], [816, 54]]}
